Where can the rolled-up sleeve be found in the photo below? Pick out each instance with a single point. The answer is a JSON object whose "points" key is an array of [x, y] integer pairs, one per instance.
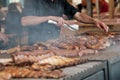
{"points": [[29, 8], [69, 10]]}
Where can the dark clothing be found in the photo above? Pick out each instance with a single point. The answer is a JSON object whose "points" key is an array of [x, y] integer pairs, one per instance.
{"points": [[13, 25], [80, 7], [13, 20], [45, 31]]}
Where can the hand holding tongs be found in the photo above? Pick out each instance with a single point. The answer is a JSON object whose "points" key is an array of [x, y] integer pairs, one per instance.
{"points": [[73, 27]]}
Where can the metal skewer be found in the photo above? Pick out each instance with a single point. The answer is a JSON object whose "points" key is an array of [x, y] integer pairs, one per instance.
{"points": [[65, 25]]}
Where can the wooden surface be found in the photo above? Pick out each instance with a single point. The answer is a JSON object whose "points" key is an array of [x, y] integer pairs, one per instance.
{"points": [[106, 21], [111, 9]]}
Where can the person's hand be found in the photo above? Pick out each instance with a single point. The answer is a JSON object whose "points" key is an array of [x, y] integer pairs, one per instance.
{"points": [[60, 21], [4, 39], [101, 25]]}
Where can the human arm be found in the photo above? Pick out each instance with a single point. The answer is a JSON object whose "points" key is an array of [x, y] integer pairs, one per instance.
{"points": [[80, 17], [87, 19], [35, 20], [31, 17]]}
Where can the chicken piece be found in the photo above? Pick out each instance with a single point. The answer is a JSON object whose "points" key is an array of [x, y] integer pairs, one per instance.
{"points": [[40, 46], [100, 44], [56, 62], [21, 58], [67, 46], [86, 52], [18, 72], [26, 48], [5, 76], [42, 67], [66, 53]]}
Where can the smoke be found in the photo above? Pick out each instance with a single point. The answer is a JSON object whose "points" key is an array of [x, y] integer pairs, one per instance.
{"points": [[36, 33], [43, 31]]}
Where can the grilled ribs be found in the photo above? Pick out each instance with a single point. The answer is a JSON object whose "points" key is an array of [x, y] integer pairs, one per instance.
{"points": [[19, 72], [56, 62]]}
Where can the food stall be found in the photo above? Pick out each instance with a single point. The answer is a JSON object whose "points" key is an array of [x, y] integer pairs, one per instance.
{"points": [[88, 55]]}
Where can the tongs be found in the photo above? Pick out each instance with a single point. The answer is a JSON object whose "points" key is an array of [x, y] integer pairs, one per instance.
{"points": [[73, 27]]}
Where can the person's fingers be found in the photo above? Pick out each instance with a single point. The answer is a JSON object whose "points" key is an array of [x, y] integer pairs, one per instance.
{"points": [[61, 22], [98, 25], [105, 27]]}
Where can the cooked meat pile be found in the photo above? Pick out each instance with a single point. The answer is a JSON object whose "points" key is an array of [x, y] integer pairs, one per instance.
{"points": [[20, 72], [44, 68], [44, 59], [55, 62]]}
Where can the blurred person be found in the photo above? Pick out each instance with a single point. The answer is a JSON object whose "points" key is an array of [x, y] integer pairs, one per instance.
{"points": [[36, 14], [13, 25], [104, 6]]}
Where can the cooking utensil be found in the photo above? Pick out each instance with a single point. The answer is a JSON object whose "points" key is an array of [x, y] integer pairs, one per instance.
{"points": [[73, 27]]}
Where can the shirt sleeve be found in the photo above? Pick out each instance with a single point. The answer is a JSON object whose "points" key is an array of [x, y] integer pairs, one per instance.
{"points": [[29, 8], [69, 10]]}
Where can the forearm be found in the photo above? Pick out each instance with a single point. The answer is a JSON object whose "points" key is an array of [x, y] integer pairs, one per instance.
{"points": [[84, 18], [33, 20], [71, 22]]}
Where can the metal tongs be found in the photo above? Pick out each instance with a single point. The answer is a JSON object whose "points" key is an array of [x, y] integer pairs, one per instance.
{"points": [[73, 27]]}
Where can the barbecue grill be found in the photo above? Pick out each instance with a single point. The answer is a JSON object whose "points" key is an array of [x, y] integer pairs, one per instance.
{"points": [[92, 70], [83, 72], [112, 57], [103, 66]]}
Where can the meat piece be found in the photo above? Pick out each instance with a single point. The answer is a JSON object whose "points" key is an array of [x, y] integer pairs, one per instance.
{"points": [[66, 53], [69, 43], [40, 46], [11, 50], [5, 76], [43, 67], [100, 44], [53, 74], [1, 67], [57, 62], [34, 52], [75, 53], [26, 48], [17, 72], [66, 46], [87, 52], [27, 58], [34, 47]]}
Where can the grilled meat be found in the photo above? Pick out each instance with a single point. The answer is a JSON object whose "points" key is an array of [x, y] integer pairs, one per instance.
{"points": [[56, 62], [87, 52], [1, 67], [17, 72], [5, 76], [29, 58], [98, 43]]}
